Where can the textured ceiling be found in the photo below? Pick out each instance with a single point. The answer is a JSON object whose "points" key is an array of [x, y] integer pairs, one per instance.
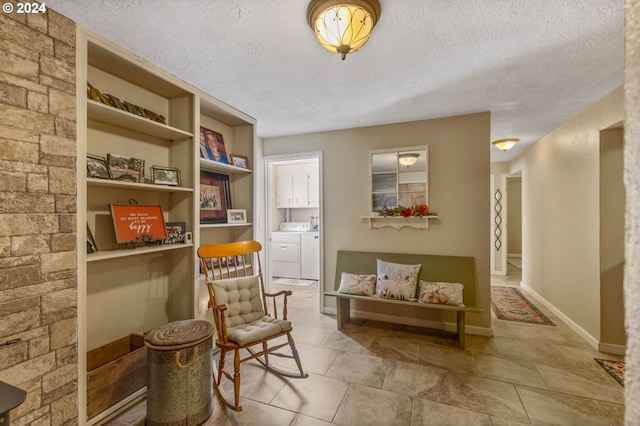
{"points": [[532, 63]]}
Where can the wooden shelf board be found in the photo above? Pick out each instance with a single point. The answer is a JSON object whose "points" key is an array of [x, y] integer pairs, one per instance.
{"points": [[109, 183], [114, 254]]}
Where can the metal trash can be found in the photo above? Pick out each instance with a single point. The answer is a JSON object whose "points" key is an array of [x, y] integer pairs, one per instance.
{"points": [[179, 373]]}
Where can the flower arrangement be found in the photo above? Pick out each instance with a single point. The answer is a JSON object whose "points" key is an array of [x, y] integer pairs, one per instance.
{"points": [[416, 211]]}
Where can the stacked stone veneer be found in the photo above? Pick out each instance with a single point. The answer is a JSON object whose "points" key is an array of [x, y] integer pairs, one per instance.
{"points": [[38, 274]]}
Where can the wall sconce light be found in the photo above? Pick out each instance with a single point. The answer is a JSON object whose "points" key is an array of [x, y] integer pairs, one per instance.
{"points": [[343, 26], [408, 159], [505, 144]]}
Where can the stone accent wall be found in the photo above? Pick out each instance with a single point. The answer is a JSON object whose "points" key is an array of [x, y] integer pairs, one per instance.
{"points": [[632, 183], [38, 273]]}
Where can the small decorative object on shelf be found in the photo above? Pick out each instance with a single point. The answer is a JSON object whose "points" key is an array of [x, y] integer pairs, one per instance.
{"points": [[91, 242], [416, 211], [165, 175], [112, 101], [137, 224], [176, 233], [97, 167], [212, 146], [240, 161], [215, 197], [126, 168], [236, 216]]}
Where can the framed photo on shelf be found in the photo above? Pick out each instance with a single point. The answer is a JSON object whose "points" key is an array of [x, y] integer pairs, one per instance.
{"points": [[215, 197], [125, 168], [92, 247], [212, 146], [97, 167], [240, 161], [133, 221], [176, 232], [236, 216], [165, 175]]}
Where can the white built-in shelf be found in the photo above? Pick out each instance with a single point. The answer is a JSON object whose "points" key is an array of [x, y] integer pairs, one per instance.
{"points": [[228, 169], [398, 222], [123, 119], [114, 254], [223, 225], [118, 184]]}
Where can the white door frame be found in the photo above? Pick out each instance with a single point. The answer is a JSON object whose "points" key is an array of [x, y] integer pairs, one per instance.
{"points": [[268, 162]]}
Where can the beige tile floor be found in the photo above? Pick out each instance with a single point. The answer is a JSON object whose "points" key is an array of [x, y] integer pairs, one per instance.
{"points": [[373, 373]]}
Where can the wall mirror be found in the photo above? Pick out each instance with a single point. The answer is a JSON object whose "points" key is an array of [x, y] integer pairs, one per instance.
{"points": [[399, 177]]}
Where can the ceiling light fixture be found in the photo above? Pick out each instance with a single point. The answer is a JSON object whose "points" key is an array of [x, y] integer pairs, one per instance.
{"points": [[408, 159], [343, 26], [505, 144]]}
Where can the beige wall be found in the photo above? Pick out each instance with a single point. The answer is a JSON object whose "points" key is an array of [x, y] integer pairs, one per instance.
{"points": [[514, 216], [561, 208], [632, 182], [458, 192], [499, 171], [612, 206], [38, 216]]}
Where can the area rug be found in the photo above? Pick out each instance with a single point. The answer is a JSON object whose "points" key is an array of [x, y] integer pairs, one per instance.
{"points": [[614, 368], [293, 281], [511, 305]]}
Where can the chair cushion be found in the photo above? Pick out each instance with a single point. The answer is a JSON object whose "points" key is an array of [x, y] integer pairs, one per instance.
{"points": [[242, 297], [257, 330]]}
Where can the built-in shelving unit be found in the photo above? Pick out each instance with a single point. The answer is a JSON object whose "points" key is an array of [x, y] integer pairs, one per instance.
{"points": [[125, 291]]}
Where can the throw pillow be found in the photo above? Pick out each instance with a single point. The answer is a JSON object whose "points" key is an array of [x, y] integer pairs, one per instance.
{"points": [[397, 281], [364, 285], [441, 293]]}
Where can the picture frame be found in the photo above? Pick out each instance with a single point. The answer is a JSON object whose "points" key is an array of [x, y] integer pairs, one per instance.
{"points": [[92, 247], [125, 168], [165, 176], [176, 233], [240, 161], [97, 167], [212, 146], [215, 197], [134, 221], [236, 216]]}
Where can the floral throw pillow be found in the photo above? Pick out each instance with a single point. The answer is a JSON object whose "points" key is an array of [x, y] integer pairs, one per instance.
{"points": [[364, 285], [441, 293], [397, 281]]}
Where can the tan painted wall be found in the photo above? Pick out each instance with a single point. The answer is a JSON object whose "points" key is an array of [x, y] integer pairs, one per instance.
{"points": [[632, 183], [459, 192], [561, 207], [514, 216], [612, 207]]}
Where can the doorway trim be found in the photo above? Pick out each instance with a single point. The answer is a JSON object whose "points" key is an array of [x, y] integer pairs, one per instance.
{"points": [[269, 200]]}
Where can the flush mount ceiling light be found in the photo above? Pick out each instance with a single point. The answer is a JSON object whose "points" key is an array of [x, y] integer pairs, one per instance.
{"points": [[343, 26], [505, 144], [408, 159]]}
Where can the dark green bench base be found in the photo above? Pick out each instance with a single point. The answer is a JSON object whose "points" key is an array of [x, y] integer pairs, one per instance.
{"points": [[343, 302], [457, 269]]}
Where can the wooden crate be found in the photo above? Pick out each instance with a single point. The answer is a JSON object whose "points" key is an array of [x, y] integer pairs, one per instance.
{"points": [[115, 371]]}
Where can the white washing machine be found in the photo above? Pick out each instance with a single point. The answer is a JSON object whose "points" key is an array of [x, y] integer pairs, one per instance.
{"points": [[286, 254]]}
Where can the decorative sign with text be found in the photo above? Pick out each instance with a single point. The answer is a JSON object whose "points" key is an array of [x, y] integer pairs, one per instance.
{"points": [[132, 221]]}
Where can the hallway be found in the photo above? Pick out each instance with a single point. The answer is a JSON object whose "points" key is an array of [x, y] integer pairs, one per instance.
{"points": [[374, 373]]}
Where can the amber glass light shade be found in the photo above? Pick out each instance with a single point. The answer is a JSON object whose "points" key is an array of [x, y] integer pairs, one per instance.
{"points": [[343, 26], [505, 144]]}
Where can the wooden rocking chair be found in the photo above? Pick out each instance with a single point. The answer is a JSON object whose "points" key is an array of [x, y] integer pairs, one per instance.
{"points": [[240, 311]]}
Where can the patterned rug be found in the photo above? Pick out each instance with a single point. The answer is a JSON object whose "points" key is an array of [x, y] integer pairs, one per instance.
{"points": [[509, 304], [614, 368]]}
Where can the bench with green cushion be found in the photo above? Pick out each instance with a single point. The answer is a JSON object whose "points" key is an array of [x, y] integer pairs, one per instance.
{"points": [[454, 269]]}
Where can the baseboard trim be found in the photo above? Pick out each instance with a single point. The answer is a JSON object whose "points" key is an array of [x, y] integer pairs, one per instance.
{"points": [[436, 325], [514, 255], [611, 348], [572, 325]]}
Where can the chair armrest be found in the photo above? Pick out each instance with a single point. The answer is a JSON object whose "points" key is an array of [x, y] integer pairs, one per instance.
{"points": [[284, 293], [220, 321]]}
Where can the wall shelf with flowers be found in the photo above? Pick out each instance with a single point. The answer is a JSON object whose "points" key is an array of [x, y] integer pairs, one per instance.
{"points": [[401, 217]]}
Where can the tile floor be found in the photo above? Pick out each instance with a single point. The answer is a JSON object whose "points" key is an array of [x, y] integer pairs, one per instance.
{"points": [[373, 373]]}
